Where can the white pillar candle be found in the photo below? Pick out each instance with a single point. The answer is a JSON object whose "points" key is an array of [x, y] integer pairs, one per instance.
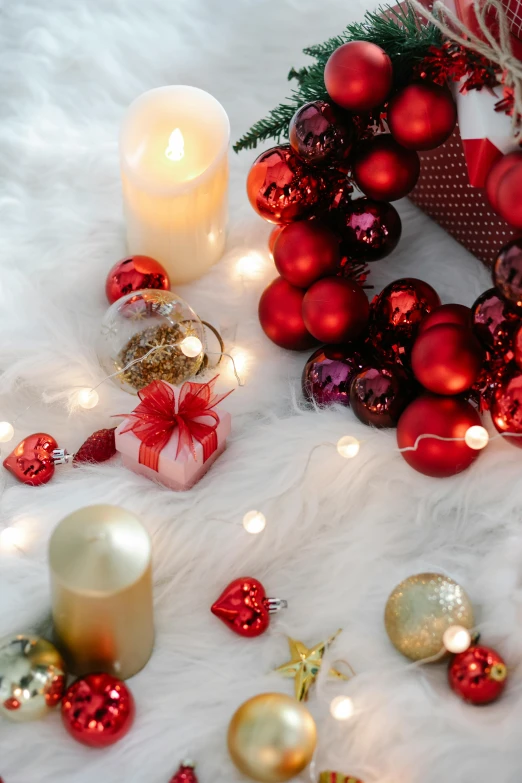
{"points": [[174, 167]]}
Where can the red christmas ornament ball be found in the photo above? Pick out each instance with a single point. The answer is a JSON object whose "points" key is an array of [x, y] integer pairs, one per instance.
{"points": [[506, 407], [329, 371], [478, 675], [507, 271], [98, 710], [358, 76], [509, 196], [384, 170], [496, 173], [402, 305], [369, 229], [494, 321], [280, 187], [335, 309], [422, 116], [448, 417], [281, 317], [135, 273], [457, 314], [274, 234], [447, 359], [306, 251], [319, 134], [243, 607], [378, 395]]}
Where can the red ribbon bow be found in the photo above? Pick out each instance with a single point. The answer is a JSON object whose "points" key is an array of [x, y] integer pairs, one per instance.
{"points": [[154, 420]]}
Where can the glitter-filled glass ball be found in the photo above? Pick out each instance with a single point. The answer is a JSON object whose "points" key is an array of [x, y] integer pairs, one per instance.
{"points": [[150, 322]]}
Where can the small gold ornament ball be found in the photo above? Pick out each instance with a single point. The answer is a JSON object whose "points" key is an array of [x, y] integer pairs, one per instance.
{"points": [[420, 609], [271, 738], [32, 677]]}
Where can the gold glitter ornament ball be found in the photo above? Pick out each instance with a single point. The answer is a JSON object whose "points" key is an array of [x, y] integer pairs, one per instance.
{"points": [[271, 738], [420, 609], [32, 677]]}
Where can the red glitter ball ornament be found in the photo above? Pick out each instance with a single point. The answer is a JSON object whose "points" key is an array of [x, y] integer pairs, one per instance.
{"points": [[507, 271], [244, 607], [494, 321], [378, 395], [506, 408], [305, 251], [319, 134], [31, 462], [478, 675], [281, 317], [329, 371], [335, 309], [98, 710], [496, 173], [385, 170], [99, 447], [447, 314], [447, 359], [422, 116], [185, 774], [369, 229], [447, 417], [280, 187], [135, 273], [358, 76]]}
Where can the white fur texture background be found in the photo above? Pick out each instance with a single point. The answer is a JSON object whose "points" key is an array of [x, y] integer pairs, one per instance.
{"points": [[339, 536]]}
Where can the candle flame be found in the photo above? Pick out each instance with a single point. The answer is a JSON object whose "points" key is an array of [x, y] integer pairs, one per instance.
{"points": [[176, 146]]}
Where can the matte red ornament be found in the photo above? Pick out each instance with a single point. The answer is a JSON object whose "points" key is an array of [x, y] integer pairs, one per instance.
{"points": [[447, 417], [274, 234], [496, 173], [447, 359], [280, 187], [506, 408], [99, 447], [384, 170], [478, 675], [378, 395], [457, 314], [185, 774], [31, 462], [494, 321], [244, 607], [397, 312], [369, 229], [281, 317], [135, 273], [335, 309], [509, 196], [507, 271], [329, 371], [305, 251], [98, 710], [320, 134], [358, 76], [422, 116]]}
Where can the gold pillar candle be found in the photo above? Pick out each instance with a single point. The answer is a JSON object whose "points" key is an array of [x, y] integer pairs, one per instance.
{"points": [[101, 584], [174, 168]]}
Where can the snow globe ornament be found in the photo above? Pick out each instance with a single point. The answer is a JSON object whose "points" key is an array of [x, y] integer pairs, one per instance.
{"points": [[150, 335]]}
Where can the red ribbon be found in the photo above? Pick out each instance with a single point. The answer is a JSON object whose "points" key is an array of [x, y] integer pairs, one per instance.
{"points": [[154, 420]]}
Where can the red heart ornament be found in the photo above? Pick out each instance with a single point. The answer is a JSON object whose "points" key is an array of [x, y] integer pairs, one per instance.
{"points": [[31, 462], [243, 607]]}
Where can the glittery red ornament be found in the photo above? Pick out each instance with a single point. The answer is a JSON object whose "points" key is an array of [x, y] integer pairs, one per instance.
{"points": [[396, 313], [305, 251], [384, 170], [494, 321], [274, 234], [358, 76], [320, 134], [98, 447], [447, 359], [509, 196], [185, 774], [335, 309], [31, 462], [447, 314], [281, 317], [98, 710], [244, 607], [281, 188], [378, 395], [496, 173], [329, 371], [369, 229], [506, 408], [478, 675], [447, 417], [422, 116], [507, 272], [135, 273]]}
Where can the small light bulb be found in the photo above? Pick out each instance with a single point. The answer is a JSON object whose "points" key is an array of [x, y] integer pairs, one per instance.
{"points": [[456, 639], [6, 431], [191, 346], [88, 398], [341, 708], [11, 538], [254, 522], [241, 360], [348, 446], [476, 437], [250, 266]]}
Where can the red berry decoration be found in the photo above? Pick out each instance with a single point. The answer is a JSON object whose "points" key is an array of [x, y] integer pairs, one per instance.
{"points": [[378, 395], [98, 710], [185, 774], [422, 116], [280, 187], [358, 76], [319, 134], [494, 321], [370, 229], [335, 309], [281, 316], [384, 170], [506, 408], [306, 251], [400, 308], [496, 173], [509, 196], [507, 271], [31, 462], [447, 417], [99, 447], [329, 371], [274, 234], [135, 273], [244, 607], [478, 675], [457, 314], [447, 359]]}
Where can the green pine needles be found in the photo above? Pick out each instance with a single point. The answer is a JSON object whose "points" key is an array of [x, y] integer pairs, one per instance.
{"points": [[398, 30]]}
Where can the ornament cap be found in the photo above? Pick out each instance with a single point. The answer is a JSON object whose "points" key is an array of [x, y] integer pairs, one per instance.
{"points": [[61, 456], [276, 604]]}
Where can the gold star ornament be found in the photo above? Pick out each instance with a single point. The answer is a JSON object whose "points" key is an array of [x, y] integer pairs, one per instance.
{"points": [[304, 665]]}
